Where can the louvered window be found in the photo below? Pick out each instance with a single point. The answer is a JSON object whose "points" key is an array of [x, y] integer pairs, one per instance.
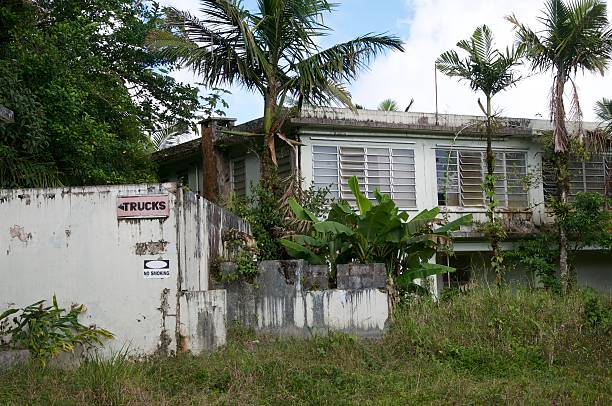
{"points": [[284, 158], [389, 170], [460, 175], [238, 177], [593, 175]]}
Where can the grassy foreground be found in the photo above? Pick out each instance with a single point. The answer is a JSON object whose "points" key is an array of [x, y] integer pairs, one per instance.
{"points": [[480, 348]]}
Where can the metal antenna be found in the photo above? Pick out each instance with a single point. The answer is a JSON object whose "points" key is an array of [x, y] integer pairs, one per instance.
{"points": [[436, 90]]}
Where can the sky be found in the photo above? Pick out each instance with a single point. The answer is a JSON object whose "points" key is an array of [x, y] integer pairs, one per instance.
{"points": [[427, 28]]}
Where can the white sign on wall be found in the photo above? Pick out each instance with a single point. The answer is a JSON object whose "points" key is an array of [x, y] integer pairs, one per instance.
{"points": [[156, 268], [143, 206]]}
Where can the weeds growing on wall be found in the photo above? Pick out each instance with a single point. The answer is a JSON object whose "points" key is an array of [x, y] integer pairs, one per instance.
{"points": [[47, 331]]}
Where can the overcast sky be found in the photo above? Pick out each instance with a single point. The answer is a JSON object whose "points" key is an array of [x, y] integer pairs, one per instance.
{"points": [[428, 28]]}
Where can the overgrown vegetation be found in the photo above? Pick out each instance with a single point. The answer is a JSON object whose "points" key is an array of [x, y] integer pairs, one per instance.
{"points": [[47, 331], [85, 91], [567, 29], [483, 347], [266, 209], [587, 223], [374, 232]]}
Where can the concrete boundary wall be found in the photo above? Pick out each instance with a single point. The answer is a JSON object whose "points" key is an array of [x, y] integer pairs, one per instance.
{"points": [[286, 299], [70, 242]]}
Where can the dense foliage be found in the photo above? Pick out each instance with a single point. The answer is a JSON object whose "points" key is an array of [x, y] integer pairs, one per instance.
{"points": [[85, 92], [374, 232], [267, 211]]}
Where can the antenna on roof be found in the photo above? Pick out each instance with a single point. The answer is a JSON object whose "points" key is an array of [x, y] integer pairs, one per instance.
{"points": [[436, 90]]}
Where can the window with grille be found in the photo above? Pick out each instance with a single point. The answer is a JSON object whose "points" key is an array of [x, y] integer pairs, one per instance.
{"points": [[389, 170], [593, 175], [460, 175], [238, 177]]}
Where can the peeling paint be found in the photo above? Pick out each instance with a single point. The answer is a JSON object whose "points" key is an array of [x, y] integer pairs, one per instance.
{"points": [[19, 233], [151, 247]]}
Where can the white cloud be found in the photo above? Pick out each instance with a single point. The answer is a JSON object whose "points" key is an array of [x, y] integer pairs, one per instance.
{"points": [[435, 27]]}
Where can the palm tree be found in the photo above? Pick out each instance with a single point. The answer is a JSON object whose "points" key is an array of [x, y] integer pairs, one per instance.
{"points": [[489, 71], [603, 109], [388, 105], [167, 134], [576, 36], [272, 50]]}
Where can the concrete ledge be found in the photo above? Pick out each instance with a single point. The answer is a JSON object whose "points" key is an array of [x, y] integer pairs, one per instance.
{"points": [[286, 300]]}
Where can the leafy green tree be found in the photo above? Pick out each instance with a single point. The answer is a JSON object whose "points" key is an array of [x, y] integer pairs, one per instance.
{"points": [[388, 105], [272, 50], [85, 90], [489, 71], [576, 35]]}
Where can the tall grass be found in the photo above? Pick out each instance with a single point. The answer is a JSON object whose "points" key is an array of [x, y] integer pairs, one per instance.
{"points": [[507, 347]]}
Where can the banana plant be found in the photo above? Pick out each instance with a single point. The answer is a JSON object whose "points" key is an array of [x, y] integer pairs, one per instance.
{"points": [[374, 232]]}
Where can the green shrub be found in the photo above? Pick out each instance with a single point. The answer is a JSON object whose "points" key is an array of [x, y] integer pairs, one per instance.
{"points": [[374, 232], [47, 331]]}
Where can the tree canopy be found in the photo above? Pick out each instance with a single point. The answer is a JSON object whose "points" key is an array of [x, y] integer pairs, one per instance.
{"points": [[272, 50], [85, 90]]}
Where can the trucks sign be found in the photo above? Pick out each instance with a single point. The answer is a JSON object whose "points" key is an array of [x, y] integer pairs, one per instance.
{"points": [[144, 206]]}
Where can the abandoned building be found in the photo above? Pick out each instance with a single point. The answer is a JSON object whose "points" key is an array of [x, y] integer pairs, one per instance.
{"points": [[422, 160]]}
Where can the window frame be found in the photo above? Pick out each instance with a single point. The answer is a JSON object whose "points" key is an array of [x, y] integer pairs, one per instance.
{"points": [[361, 166], [505, 184], [243, 189]]}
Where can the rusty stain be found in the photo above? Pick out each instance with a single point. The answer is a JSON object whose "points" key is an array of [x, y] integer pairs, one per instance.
{"points": [[19, 232], [151, 247]]}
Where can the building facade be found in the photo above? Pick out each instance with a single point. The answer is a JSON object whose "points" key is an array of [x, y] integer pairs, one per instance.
{"points": [[427, 160]]}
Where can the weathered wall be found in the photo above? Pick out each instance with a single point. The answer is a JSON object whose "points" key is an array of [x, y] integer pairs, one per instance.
{"points": [[285, 300], [69, 242]]}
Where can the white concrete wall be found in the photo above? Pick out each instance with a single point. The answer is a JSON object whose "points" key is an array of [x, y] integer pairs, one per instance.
{"points": [[71, 244], [595, 270]]}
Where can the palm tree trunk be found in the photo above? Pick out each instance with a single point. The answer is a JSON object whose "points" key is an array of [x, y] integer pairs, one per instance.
{"points": [[490, 184], [266, 162], [562, 161]]}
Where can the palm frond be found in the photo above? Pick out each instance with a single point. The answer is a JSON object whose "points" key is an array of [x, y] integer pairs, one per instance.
{"points": [[219, 48], [485, 68], [603, 110], [388, 105]]}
